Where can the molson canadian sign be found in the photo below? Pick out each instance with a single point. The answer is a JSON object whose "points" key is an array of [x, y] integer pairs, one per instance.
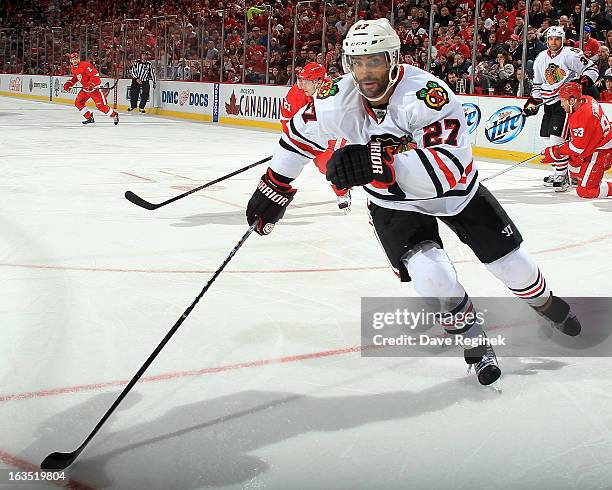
{"points": [[252, 101]]}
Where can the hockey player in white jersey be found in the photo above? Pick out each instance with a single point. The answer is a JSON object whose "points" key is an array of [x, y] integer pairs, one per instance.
{"points": [[408, 146], [552, 69]]}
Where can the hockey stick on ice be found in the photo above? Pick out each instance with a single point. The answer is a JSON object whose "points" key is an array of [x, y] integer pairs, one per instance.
{"points": [[139, 201], [58, 461], [510, 168]]}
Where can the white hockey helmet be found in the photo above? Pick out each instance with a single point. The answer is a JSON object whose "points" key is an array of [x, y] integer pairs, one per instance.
{"points": [[556, 31], [371, 37]]}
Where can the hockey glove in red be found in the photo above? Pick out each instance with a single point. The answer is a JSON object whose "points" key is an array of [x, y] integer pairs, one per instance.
{"points": [[552, 155], [68, 85], [354, 165], [531, 107], [269, 202]]}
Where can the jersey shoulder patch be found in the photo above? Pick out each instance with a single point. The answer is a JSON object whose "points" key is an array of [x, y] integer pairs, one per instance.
{"points": [[576, 50], [328, 88], [433, 95]]}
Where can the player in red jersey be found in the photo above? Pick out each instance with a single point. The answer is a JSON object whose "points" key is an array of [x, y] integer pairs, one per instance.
{"points": [[589, 146], [310, 79], [86, 73]]}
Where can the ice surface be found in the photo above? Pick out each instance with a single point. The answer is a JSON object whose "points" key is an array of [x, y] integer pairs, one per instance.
{"points": [[90, 283]]}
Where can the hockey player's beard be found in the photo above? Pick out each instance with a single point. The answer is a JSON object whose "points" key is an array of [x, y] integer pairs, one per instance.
{"points": [[371, 87]]}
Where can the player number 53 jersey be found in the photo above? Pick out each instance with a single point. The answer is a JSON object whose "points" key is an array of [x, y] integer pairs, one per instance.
{"points": [[423, 132]]}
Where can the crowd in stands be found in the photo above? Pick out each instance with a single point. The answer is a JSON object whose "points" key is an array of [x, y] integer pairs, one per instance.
{"points": [[205, 39]]}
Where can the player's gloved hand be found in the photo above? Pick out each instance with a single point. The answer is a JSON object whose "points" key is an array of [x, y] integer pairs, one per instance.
{"points": [[531, 107], [354, 165], [551, 154], [68, 85], [269, 202], [585, 81]]}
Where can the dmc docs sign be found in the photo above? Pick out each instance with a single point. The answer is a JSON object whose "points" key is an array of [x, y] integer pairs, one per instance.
{"points": [[504, 125], [39, 85], [261, 103], [186, 96]]}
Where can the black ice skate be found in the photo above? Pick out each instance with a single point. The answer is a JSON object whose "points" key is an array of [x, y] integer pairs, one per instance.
{"points": [[89, 120], [548, 180], [561, 316], [561, 182], [344, 203], [482, 358], [116, 118], [142, 111]]}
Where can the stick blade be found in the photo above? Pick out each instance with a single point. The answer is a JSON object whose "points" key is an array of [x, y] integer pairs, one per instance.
{"points": [[139, 201], [58, 461]]}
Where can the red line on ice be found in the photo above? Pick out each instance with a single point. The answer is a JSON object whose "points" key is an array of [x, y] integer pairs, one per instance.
{"points": [[183, 374], [138, 176], [275, 271]]}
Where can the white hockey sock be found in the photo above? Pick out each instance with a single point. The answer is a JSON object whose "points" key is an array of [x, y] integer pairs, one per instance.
{"points": [[521, 275]]}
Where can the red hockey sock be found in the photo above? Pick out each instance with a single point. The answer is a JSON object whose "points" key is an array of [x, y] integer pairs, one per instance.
{"points": [[87, 115]]}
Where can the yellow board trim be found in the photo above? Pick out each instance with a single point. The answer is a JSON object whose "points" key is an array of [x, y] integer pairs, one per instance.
{"points": [[44, 98], [247, 122]]}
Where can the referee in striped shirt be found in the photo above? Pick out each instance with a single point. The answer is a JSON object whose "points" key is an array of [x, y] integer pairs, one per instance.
{"points": [[142, 71]]}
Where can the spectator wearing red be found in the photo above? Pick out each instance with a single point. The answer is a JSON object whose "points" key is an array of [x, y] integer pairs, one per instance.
{"points": [[501, 13], [459, 47], [606, 95], [590, 46], [256, 57], [464, 29], [415, 31], [503, 32]]}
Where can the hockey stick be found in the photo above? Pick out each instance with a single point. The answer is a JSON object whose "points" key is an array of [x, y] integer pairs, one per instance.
{"points": [[510, 168], [139, 201], [59, 461], [101, 88]]}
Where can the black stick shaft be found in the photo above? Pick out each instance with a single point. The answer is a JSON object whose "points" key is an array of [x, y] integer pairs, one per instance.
{"points": [[143, 203], [103, 88], [164, 341]]}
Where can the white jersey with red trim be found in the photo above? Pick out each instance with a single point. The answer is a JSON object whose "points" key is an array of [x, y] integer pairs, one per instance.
{"points": [[550, 72], [423, 131]]}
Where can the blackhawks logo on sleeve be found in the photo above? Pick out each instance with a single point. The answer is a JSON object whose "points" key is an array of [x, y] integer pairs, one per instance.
{"points": [[392, 145], [327, 89], [434, 95], [553, 74]]}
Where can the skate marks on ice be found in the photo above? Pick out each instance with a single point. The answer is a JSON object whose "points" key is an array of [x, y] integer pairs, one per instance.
{"points": [[213, 443]]}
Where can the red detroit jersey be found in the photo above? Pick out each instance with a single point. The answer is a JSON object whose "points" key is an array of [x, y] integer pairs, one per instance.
{"points": [[589, 130], [296, 99], [87, 74]]}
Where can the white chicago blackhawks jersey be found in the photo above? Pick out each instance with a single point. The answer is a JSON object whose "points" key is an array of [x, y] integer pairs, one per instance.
{"points": [[550, 72], [423, 132]]}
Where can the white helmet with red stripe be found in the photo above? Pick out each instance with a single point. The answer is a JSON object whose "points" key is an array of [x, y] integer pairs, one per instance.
{"points": [[372, 37]]}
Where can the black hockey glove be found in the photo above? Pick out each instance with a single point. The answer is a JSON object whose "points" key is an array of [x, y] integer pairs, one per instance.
{"points": [[269, 201], [531, 107], [354, 165]]}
